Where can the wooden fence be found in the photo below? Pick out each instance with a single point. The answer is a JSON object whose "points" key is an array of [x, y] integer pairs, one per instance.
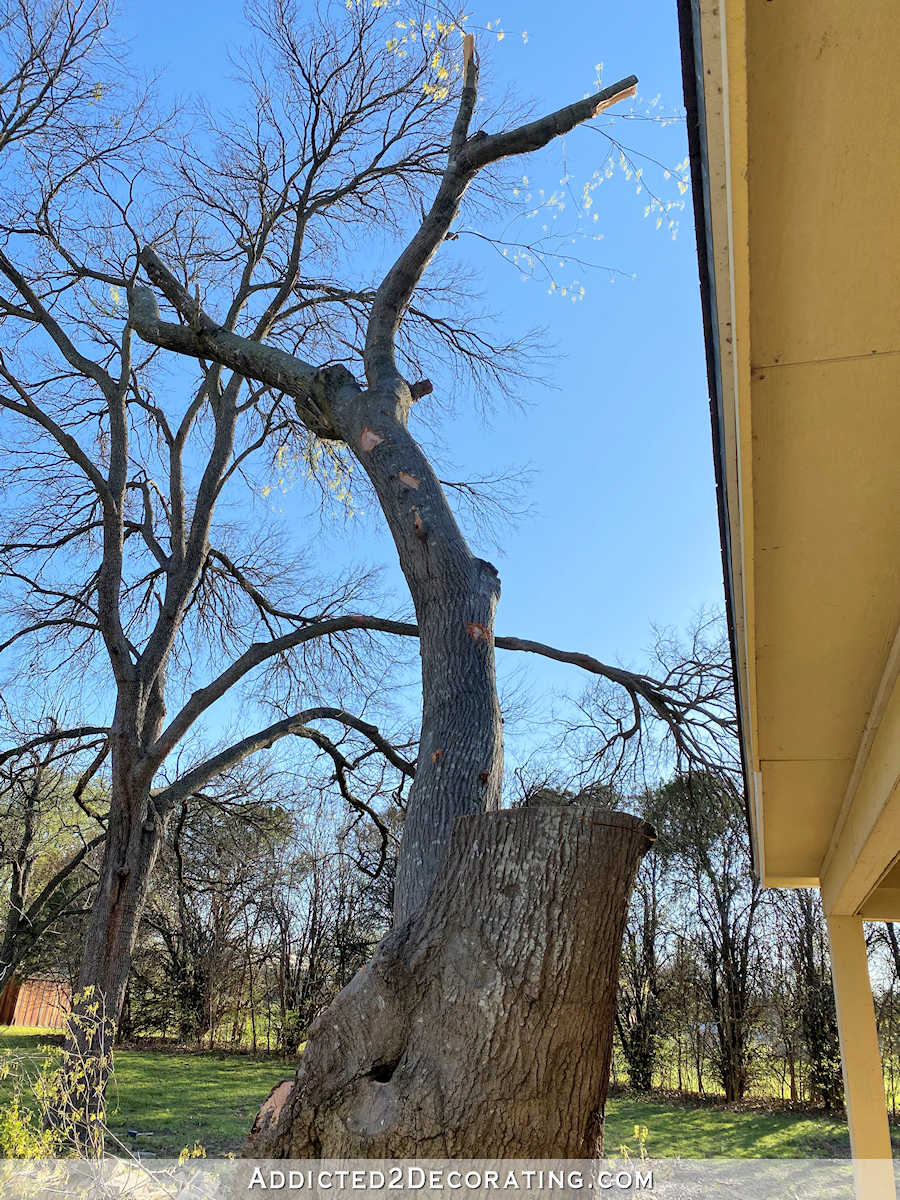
{"points": [[43, 1002]]}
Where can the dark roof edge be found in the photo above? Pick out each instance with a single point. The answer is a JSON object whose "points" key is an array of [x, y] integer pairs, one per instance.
{"points": [[692, 80]]}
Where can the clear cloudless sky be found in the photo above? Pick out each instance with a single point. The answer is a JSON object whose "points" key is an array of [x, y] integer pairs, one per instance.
{"points": [[623, 533]]}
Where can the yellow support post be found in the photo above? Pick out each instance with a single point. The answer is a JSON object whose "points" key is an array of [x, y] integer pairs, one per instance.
{"points": [[870, 1139]]}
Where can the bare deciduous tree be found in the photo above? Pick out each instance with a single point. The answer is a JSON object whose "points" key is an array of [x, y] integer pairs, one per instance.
{"points": [[707, 824]]}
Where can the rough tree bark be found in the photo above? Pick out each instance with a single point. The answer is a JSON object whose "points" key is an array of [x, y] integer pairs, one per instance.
{"points": [[483, 1025], [134, 832]]}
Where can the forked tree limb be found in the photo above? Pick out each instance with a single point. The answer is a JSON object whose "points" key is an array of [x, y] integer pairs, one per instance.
{"points": [[203, 337], [297, 725], [467, 156]]}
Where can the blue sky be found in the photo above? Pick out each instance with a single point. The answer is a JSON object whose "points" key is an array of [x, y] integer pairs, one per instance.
{"points": [[623, 533]]}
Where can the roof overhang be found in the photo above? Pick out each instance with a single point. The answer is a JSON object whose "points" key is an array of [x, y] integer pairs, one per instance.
{"points": [[793, 113]]}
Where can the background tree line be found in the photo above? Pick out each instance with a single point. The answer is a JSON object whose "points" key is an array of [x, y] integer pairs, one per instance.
{"points": [[268, 900]]}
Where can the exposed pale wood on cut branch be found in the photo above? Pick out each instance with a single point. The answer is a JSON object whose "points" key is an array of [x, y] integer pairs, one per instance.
{"points": [[468, 51], [627, 93]]}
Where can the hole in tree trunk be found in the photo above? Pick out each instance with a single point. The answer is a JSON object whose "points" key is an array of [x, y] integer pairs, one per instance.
{"points": [[383, 1072], [509, 881]]}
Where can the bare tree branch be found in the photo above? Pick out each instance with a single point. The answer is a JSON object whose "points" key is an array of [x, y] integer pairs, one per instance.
{"points": [[54, 735], [296, 725]]}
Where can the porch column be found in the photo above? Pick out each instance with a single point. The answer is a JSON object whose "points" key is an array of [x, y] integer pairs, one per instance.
{"points": [[870, 1140]]}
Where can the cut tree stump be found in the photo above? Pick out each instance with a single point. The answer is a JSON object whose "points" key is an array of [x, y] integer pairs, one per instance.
{"points": [[482, 1026]]}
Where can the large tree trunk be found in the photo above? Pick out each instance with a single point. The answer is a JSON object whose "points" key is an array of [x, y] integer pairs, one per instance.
{"points": [[132, 844], [131, 849], [460, 763], [483, 1024]]}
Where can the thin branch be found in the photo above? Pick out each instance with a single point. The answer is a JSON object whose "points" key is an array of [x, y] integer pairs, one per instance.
{"points": [[296, 725], [55, 735]]}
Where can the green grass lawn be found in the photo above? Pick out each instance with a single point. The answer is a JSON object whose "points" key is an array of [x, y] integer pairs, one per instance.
{"points": [[183, 1098], [685, 1130], [175, 1099]]}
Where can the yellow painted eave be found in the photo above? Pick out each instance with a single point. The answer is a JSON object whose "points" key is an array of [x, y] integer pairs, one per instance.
{"points": [[802, 106]]}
